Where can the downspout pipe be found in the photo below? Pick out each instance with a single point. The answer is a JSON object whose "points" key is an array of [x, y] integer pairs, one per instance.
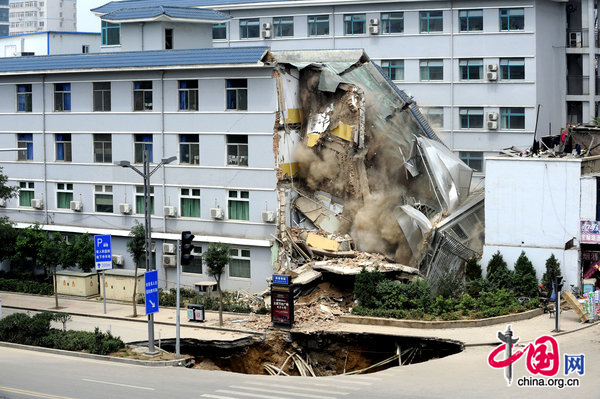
{"points": [[44, 149]]}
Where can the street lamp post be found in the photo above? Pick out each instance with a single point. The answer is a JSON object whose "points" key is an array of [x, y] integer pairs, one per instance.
{"points": [[146, 173]]}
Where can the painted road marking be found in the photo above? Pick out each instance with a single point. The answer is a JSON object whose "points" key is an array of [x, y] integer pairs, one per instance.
{"points": [[302, 388], [117, 384], [32, 393], [206, 395], [249, 394], [287, 392]]}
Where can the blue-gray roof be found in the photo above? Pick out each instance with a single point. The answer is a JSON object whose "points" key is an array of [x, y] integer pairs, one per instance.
{"points": [[119, 5], [174, 12], [209, 56]]}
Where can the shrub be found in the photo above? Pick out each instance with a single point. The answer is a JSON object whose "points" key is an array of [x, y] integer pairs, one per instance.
{"points": [[525, 280], [27, 286], [472, 270], [389, 295], [498, 274], [365, 287], [552, 270], [450, 284]]}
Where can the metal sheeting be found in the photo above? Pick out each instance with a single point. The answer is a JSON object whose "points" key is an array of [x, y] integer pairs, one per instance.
{"points": [[174, 12], [414, 225], [448, 258], [118, 5]]}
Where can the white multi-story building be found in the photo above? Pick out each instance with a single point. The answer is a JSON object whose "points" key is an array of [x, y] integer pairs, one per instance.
{"points": [[4, 23], [48, 43], [42, 15]]}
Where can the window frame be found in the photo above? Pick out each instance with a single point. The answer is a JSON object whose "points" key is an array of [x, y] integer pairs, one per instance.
{"points": [[217, 28], [432, 117], [243, 255], [425, 65], [468, 66], [352, 21], [392, 68], [248, 27], [508, 116], [313, 25], [26, 187], [24, 97], [239, 198], [471, 156], [106, 28], [104, 191], [188, 96], [139, 193], [236, 95], [471, 117], [190, 194], [64, 145], [464, 16], [506, 18], [101, 96], [512, 66], [141, 94], [140, 144], [238, 157], [64, 189], [25, 140], [193, 149], [62, 97], [97, 142], [387, 22], [426, 17], [169, 38], [281, 27], [197, 262]]}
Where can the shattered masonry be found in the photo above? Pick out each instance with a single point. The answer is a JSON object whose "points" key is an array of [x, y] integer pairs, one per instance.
{"points": [[361, 173]]}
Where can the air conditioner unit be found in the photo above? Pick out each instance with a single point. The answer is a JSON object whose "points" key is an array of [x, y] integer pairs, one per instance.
{"points": [[125, 208], [374, 30], [266, 34], [373, 21], [492, 125], [268, 216], [168, 248], [492, 76], [76, 206], [37, 203], [492, 67], [118, 260], [492, 116], [216, 213], [169, 261], [266, 25], [170, 211], [574, 39], [2, 202]]}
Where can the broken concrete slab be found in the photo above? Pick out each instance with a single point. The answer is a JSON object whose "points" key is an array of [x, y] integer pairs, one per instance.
{"points": [[320, 215], [316, 241]]}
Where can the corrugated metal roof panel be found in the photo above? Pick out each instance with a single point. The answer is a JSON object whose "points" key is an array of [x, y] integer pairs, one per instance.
{"points": [[118, 5], [174, 12], [209, 56]]}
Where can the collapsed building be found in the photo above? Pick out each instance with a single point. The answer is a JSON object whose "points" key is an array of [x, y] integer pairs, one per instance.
{"points": [[363, 180]]}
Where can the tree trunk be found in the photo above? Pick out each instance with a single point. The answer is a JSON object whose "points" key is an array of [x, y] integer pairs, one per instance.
{"points": [[220, 302], [55, 290], [135, 290]]}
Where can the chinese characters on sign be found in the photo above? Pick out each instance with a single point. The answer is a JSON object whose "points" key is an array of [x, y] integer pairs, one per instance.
{"points": [[590, 232], [102, 252], [151, 291]]}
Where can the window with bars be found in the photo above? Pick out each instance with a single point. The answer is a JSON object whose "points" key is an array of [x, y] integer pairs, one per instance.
{"points": [[219, 31], [249, 28], [62, 96], [512, 19], [25, 141], [431, 70], [142, 143], [189, 149], [24, 98], [470, 20], [512, 68], [238, 205], [355, 24], [237, 94], [26, 193], [393, 68], [474, 159], [140, 204], [512, 118], [237, 150], [283, 26], [102, 148], [431, 21], [101, 96], [471, 117], [190, 202], [142, 95], [64, 195], [471, 69], [188, 95], [63, 147], [318, 25], [103, 198], [392, 22], [239, 263]]}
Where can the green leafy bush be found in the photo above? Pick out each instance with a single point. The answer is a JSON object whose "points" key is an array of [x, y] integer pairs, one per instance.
{"points": [[498, 274], [27, 286], [552, 270], [525, 280], [365, 287]]}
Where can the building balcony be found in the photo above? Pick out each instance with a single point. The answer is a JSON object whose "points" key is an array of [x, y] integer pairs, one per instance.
{"points": [[578, 85]]}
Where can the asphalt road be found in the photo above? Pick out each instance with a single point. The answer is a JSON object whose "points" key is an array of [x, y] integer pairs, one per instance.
{"points": [[25, 373]]}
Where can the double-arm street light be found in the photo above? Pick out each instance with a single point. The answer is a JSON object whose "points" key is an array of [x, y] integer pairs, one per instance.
{"points": [[146, 173]]}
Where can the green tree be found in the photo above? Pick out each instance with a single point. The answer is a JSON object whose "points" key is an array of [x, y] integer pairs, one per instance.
{"points": [[8, 238], [80, 253], [552, 270], [216, 258], [136, 246], [6, 192], [472, 270], [498, 274], [51, 254], [27, 247], [525, 280]]}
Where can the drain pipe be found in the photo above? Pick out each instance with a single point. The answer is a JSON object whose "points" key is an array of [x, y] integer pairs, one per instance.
{"points": [[452, 75], [44, 148], [162, 137]]}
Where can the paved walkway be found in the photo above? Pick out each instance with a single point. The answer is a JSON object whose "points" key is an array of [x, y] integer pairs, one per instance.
{"points": [[119, 320]]}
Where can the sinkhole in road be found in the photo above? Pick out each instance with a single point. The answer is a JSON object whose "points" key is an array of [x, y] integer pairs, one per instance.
{"points": [[318, 353]]}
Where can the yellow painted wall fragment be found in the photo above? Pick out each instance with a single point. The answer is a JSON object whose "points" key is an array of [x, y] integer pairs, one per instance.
{"points": [[294, 115], [317, 241], [289, 169], [312, 139], [343, 131]]}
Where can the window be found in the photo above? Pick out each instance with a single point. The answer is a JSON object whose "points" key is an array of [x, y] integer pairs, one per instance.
{"points": [[103, 198], [237, 94], [431, 21], [24, 98], [168, 39], [110, 34], [283, 26], [239, 263], [249, 28], [85, 48], [190, 202], [512, 19], [64, 195], [142, 96], [237, 150], [238, 205], [140, 204], [189, 149], [473, 159], [435, 116], [471, 69], [392, 22], [188, 95], [102, 148], [318, 25], [471, 117], [512, 118], [393, 68], [195, 265], [101, 94], [512, 68], [63, 147], [431, 70], [25, 140], [470, 20], [142, 143], [219, 31], [355, 24], [26, 193], [62, 96]]}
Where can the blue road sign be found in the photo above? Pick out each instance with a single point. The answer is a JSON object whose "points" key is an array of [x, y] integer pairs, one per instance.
{"points": [[280, 279], [151, 291], [103, 252]]}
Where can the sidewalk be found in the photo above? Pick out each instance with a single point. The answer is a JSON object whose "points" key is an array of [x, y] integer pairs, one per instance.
{"points": [[118, 318]]}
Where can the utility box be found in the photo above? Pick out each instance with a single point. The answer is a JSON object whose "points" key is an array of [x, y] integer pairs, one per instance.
{"points": [[119, 283], [77, 283], [282, 301], [195, 312]]}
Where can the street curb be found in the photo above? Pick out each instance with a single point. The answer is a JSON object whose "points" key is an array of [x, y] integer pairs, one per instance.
{"points": [[149, 363], [430, 325]]}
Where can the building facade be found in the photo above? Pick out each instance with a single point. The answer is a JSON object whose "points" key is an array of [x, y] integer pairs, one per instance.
{"points": [[489, 74], [48, 43], [36, 16], [4, 23]]}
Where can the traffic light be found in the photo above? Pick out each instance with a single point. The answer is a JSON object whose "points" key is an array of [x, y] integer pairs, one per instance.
{"points": [[558, 283], [186, 247]]}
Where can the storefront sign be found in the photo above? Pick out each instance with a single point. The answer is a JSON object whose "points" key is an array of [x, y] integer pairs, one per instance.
{"points": [[590, 232]]}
